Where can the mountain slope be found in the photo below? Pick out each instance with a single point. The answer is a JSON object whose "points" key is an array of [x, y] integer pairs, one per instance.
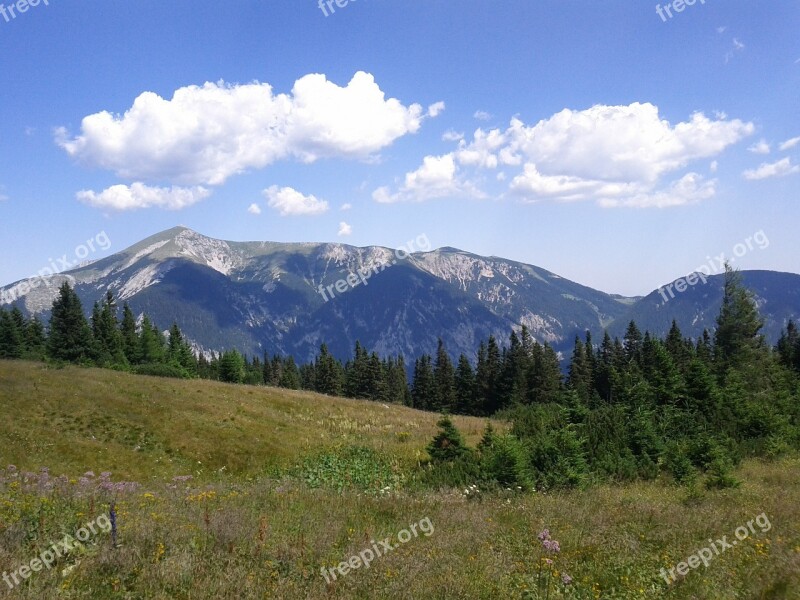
{"points": [[265, 296]]}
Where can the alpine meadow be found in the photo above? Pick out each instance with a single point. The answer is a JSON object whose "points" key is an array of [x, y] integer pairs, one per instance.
{"points": [[414, 300]]}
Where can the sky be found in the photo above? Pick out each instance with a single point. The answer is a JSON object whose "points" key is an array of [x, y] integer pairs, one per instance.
{"points": [[618, 144]]}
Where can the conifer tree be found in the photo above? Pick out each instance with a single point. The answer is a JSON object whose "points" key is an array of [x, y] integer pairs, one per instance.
{"points": [[130, 339], [444, 375], [70, 338], [737, 340], [465, 387], [11, 338], [423, 387]]}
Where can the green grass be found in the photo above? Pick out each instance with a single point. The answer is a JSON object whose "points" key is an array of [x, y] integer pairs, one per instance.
{"points": [[305, 486]]}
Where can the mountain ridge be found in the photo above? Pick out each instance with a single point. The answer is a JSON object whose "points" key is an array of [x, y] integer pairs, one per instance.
{"points": [[265, 296]]}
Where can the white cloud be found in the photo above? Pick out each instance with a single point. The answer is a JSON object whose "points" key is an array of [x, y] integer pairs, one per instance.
{"points": [[620, 155], [689, 189], [436, 178], [611, 152], [254, 209], [139, 195], [777, 169], [344, 229], [452, 136], [722, 29], [482, 115], [760, 147], [789, 144], [290, 202], [713, 166], [434, 110], [206, 134], [346, 206]]}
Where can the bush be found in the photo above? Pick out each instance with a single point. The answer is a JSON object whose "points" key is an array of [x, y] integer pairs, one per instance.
{"points": [[448, 444], [678, 464], [161, 370], [506, 462]]}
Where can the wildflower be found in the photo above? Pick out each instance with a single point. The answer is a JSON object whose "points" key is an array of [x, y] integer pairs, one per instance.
{"points": [[544, 535], [551, 546], [566, 579]]}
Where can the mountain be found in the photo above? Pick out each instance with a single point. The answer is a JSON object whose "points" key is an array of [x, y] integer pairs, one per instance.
{"points": [[696, 308], [290, 298]]}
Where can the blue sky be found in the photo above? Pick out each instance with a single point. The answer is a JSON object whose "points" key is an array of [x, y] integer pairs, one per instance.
{"points": [[594, 139]]}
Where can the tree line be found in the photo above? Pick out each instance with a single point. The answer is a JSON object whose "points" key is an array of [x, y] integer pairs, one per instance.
{"points": [[625, 407]]}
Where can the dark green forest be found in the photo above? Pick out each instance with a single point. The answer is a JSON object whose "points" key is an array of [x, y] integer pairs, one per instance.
{"points": [[625, 409]]}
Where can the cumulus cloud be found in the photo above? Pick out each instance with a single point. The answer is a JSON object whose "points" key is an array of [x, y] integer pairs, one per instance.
{"points": [[760, 147], [452, 136], [138, 195], [777, 169], [789, 144], [205, 134], [434, 110], [482, 115], [615, 155], [436, 178], [254, 209], [289, 202], [344, 229], [689, 189]]}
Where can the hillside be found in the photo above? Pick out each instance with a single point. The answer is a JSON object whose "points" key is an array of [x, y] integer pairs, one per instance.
{"points": [[249, 532], [72, 420]]}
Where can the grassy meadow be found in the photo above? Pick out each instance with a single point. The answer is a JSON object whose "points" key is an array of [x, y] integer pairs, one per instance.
{"points": [[224, 491]]}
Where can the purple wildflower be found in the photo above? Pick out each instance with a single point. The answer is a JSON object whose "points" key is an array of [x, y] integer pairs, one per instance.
{"points": [[566, 579], [544, 535]]}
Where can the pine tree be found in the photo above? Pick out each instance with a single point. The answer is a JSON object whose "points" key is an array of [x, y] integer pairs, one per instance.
{"points": [[737, 340], [545, 380], [130, 339], [633, 343], [11, 339], [180, 354], [580, 377], [423, 387], [151, 343], [465, 387], [448, 445], [290, 378], [444, 375], [70, 337], [788, 346], [329, 375], [231, 367], [35, 340], [487, 377]]}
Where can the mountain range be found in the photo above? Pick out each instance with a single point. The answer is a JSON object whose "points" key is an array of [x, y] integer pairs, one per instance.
{"points": [[289, 298]]}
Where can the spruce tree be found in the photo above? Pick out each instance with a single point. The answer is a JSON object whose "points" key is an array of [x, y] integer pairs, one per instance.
{"points": [[130, 339], [423, 387], [70, 338], [737, 340], [444, 374], [11, 338], [465, 387]]}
